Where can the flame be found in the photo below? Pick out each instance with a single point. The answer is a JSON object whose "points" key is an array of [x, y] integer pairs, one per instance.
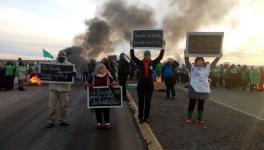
{"points": [[35, 80]]}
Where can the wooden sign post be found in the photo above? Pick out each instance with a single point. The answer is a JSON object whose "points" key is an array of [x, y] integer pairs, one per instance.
{"points": [[56, 72], [204, 44], [147, 38], [104, 97]]}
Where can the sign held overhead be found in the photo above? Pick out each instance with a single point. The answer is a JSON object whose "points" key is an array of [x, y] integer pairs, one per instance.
{"points": [[147, 38], [204, 44]]}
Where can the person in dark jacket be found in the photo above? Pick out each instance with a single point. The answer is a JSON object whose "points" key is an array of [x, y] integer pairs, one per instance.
{"points": [[169, 76], [2, 75], [145, 85], [123, 72]]}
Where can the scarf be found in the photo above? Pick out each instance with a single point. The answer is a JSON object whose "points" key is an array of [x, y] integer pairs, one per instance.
{"points": [[146, 63]]}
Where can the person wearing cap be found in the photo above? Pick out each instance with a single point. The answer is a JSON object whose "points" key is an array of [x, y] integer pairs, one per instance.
{"points": [[21, 73], [145, 85], [199, 88], [58, 93]]}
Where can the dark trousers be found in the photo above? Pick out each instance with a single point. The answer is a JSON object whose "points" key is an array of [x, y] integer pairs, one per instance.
{"points": [[192, 104], [170, 88], [102, 112], [9, 82], [214, 81], [144, 100], [123, 82]]}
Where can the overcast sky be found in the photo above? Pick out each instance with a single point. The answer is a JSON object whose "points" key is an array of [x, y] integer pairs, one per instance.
{"points": [[27, 26]]}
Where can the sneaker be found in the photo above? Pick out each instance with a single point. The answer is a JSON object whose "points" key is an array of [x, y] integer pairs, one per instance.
{"points": [[188, 121], [64, 124], [108, 126], [49, 125], [98, 126], [201, 122], [141, 120], [147, 120]]}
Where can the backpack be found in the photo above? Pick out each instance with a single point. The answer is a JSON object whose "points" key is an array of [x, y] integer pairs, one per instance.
{"points": [[168, 71]]}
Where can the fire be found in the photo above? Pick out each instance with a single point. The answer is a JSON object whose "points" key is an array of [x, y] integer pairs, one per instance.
{"points": [[35, 80]]}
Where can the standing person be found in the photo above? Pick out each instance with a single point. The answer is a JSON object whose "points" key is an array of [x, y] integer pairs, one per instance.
{"points": [[199, 88], [58, 93], [9, 75], [101, 78], [254, 78], [2, 75], [123, 72], [169, 76], [145, 85], [91, 67], [158, 69], [21, 72], [245, 77]]}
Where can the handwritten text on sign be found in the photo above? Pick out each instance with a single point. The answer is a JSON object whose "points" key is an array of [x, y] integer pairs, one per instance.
{"points": [[204, 43], [54, 72], [104, 97], [147, 39]]}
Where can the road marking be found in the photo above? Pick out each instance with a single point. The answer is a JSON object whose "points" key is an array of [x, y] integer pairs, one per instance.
{"points": [[149, 136], [241, 111]]}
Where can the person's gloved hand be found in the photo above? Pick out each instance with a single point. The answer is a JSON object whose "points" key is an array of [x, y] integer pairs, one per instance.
{"points": [[88, 86], [113, 84]]}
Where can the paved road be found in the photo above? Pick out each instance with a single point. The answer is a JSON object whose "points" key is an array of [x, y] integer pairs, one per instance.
{"points": [[226, 129], [22, 127]]}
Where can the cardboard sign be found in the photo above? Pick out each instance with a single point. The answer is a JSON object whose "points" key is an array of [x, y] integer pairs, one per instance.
{"points": [[56, 72], [204, 44], [143, 39], [104, 97]]}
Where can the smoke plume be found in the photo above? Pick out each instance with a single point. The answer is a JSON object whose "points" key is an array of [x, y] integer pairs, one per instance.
{"points": [[189, 15], [112, 26], [115, 20]]}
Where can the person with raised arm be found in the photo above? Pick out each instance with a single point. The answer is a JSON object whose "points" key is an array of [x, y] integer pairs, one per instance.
{"points": [[199, 88], [145, 85]]}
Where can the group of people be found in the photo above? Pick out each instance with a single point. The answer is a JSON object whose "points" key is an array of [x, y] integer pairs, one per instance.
{"points": [[102, 75], [232, 76], [10, 70]]}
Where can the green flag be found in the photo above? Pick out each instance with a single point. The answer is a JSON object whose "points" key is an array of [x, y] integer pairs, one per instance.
{"points": [[46, 54]]}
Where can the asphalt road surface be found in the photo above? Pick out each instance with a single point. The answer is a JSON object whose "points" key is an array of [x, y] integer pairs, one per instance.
{"points": [[22, 126]]}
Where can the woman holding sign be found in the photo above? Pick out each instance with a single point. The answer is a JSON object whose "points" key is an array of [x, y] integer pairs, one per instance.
{"points": [[199, 88], [145, 85], [101, 78]]}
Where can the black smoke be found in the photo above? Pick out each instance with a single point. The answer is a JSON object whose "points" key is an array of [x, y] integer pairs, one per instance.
{"points": [[189, 15]]}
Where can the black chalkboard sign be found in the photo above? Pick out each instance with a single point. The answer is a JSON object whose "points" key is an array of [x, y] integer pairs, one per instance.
{"points": [[104, 97], [147, 39], [204, 43], [56, 72]]}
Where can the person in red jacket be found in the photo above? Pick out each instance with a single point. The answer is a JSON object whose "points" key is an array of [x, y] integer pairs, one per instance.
{"points": [[102, 77]]}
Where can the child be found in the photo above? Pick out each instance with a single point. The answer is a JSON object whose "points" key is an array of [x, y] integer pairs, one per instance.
{"points": [[199, 88], [101, 78]]}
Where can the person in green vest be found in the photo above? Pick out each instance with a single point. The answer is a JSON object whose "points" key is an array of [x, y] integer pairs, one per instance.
{"points": [[214, 75], [33, 69], [158, 69], [254, 78], [245, 77], [21, 73], [9, 70]]}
